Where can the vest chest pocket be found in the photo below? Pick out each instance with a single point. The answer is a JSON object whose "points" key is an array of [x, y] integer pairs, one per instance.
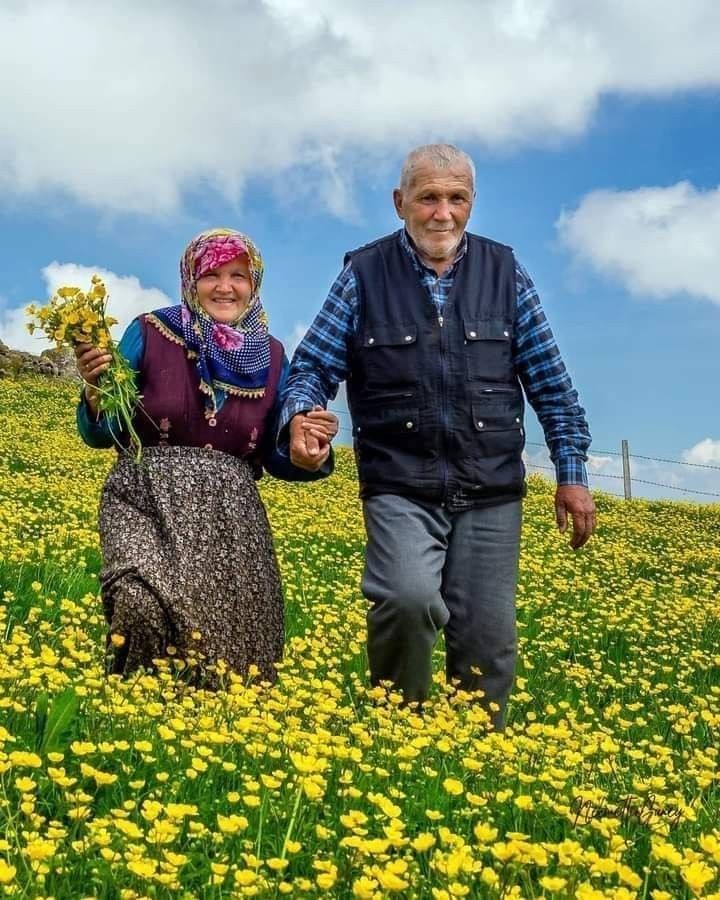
{"points": [[388, 357], [488, 349]]}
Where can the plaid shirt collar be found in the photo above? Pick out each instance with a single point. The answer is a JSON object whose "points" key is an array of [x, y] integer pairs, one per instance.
{"points": [[407, 244]]}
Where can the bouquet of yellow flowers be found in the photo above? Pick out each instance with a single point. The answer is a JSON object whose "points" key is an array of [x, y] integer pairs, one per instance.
{"points": [[75, 317]]}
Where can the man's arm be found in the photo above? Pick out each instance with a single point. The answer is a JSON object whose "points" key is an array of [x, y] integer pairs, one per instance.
{"points": [[550, 392], [319, 365]]}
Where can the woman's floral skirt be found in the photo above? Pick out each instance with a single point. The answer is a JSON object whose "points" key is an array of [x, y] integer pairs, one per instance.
{"points": [[189, 569]]}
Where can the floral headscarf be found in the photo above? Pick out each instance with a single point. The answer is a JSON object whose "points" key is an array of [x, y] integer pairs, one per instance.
{"points": [[232, 358]]}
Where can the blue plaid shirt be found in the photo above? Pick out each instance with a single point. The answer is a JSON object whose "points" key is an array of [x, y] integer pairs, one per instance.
{"points": [[321, 361]]}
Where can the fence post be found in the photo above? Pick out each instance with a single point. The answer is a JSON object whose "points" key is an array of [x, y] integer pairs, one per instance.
{"points": [[626, 470]]}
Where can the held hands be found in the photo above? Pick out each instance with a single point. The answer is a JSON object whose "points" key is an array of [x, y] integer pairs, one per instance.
{"points": [[576, 500], [91, 363], [310, 436]]}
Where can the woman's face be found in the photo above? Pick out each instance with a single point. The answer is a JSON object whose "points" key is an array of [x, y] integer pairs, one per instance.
{"points": [[224, 292]]}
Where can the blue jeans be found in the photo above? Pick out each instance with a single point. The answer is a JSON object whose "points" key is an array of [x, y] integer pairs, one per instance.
{"points": [[428, 569]]}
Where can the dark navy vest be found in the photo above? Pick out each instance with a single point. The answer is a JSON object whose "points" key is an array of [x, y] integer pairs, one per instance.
{"points": [[173, 412], [436, 403]]}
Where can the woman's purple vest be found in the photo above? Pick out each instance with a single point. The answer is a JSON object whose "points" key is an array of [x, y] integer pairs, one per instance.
{"points": [[173, 412]]}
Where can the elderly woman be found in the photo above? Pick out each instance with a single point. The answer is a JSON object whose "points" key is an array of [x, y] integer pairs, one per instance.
{"points": [[188, 560]]}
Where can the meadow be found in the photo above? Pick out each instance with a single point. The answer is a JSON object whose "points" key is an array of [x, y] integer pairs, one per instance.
{"points": [[605, 783]]}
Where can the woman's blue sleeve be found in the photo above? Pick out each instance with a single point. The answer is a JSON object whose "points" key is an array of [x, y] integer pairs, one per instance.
{"points": [[95, 432], [278, 464]]}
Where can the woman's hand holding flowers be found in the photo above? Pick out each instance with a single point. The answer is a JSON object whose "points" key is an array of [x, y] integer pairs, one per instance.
{"points": [[92, 362]]}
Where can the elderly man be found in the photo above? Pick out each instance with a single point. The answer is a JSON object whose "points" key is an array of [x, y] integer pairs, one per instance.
{"points": [[437, 333]]}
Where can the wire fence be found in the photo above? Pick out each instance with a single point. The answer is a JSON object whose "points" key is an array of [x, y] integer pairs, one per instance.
{"points": [[346, 429], [647, 481]]}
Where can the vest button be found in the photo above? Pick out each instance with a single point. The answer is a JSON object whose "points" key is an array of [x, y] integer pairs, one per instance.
{"points": [[517, 420], [408, 424], [480, 424], [506, 333], [371, 340], [473, 334], [408, 337], [212, 422]]}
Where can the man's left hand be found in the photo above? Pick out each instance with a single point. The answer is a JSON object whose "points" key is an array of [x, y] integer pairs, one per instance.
{"points": [[575, 500]]}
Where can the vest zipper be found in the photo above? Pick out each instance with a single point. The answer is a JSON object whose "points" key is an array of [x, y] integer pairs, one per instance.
{"points": [[443, 413]]}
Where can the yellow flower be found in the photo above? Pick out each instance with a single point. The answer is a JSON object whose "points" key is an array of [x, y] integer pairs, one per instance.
{"points": [[423, 842], [485, 833], [40, 849], [25, 758], [7, 872], [390, 809], [143, 868], [553, 883], [365, 888], [25, 784], [325, 880], [312, 790], [82, 748], [453, 786], [697, 875], [277, 865], [231, 824], [353, 818], [129, 829]]}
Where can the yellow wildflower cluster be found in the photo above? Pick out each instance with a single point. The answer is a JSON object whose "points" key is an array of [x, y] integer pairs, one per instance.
{"points": [[73, 316], [605, 784]]}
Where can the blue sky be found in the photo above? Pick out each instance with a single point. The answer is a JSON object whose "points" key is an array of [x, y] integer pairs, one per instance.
{"points": [[597, 160]]}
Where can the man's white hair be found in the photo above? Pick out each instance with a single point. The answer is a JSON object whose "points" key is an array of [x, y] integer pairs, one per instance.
{"points": [[441, 156]]}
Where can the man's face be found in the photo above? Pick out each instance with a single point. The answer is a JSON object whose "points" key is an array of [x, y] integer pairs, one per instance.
{"points": [[435, 209]]}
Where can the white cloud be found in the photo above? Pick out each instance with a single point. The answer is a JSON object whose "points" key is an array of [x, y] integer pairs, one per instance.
{"points": [[658, 241], [606, 465], [14, 333], [124, 105], [704, 453], [291, 341], [127, 299]]}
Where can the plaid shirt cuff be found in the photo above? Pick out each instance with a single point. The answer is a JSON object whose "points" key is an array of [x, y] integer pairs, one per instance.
{"points": [[290, 408], [571, 470]]}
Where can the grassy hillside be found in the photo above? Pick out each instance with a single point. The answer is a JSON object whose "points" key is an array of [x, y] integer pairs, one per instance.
{"points": [[604, 785]]}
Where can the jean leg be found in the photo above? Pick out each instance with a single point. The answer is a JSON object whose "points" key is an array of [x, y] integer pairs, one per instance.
{"points": [[479, 586], [404, 561]]}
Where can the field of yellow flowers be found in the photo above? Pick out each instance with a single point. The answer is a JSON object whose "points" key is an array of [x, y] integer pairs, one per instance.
{"points": [[606, 783]]}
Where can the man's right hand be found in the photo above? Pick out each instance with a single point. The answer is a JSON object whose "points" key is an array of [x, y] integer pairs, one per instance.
{"points": [[309, 446]]}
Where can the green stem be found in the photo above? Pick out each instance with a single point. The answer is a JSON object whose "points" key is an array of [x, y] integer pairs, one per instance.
{"points": [[291, 824]]}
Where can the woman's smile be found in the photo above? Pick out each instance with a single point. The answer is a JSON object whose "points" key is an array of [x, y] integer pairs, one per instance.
{"points": [[225, 291]]}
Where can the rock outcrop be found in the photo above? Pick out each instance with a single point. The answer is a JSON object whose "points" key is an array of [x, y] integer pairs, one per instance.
{"points": [[56, 363]]}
